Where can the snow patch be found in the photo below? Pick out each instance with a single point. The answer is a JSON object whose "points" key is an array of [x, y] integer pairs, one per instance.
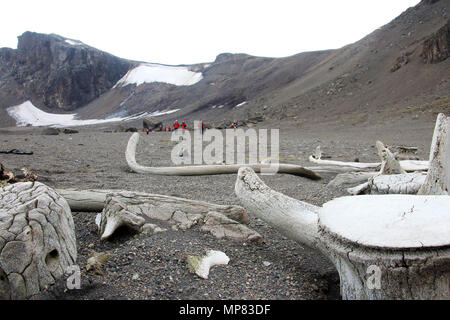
{"points": [[73, 42], [240, 104], [149, 72], [27, 114], [390, 221]]}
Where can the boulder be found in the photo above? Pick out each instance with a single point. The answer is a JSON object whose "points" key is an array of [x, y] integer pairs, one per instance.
{"points": [[151, 122]]}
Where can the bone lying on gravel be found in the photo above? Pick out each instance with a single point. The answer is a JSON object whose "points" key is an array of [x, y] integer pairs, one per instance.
{"points": [[383, 246], [406, 183], [135, 210], [96, 260], [386, 165], [130, 155], [200, 265], [223, 227], [93, 200], [37, 239]]}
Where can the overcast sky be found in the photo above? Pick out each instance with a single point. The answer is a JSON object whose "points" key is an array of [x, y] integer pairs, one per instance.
{"points": [[193, 31]]}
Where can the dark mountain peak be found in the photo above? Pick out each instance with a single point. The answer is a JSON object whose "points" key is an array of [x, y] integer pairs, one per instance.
{"points": [[57, 72]]}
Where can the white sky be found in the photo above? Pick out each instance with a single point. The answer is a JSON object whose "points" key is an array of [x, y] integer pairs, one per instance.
{"points": [[194, 31]]}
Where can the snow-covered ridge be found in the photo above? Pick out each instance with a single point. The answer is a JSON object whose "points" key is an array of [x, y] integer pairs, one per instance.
{"points": [[27, 114], [150, 72]]}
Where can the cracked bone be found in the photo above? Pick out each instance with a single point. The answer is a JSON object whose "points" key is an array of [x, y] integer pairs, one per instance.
{"points": [[200, 265], [383, 246], [130, 155], [133, 209], [37, 239], [406, 183], [223, 227]]}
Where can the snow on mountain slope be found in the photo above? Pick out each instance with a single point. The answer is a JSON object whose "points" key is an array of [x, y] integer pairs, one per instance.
{"points": [[27, 114], [149, 72]]}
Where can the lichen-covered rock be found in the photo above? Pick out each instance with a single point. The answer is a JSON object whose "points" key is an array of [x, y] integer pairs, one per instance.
{"points": [[37, 239]]}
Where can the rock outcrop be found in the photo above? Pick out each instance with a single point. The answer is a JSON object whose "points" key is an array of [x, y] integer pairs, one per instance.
{"points": [[56, 72], [437, 47]]}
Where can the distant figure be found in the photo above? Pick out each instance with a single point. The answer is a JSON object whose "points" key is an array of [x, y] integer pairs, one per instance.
{"points": [[149, 129], [201, 126], [183, 125], [165, 128], [176, 125], [170, 128]]}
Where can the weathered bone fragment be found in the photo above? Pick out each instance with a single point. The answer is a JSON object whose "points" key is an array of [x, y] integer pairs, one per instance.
{"points": [[116, 215], [389, 165], [351, 178], [133, 209], [96, 260], [406, 183], [200, 265], [130, 156], [383, 246], [37, 239], [223, 227], [93, 200], [438, 177]]}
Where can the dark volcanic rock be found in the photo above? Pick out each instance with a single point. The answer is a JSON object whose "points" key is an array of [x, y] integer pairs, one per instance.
{"points": [[50, 131], [56, 72], [151, 122], [70, 131], [437, 47]]}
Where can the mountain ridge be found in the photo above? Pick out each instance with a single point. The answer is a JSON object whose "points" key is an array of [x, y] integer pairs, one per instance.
{"points": [[401, 64]]}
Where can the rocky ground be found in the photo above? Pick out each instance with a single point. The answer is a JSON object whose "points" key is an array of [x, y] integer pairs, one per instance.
{"points": [[153, 266]]}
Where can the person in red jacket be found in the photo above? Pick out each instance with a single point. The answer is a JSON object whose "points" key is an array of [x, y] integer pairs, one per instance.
{"points": [[170, 128], [183, 125], [201, 126], [176, 125]]}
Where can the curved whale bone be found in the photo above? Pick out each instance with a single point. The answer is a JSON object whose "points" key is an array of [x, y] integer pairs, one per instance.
{"points": [[388, 163], [383, 246], [130, 155]]}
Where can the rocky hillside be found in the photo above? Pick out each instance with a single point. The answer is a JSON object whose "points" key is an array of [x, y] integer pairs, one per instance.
{"points": [[401, 69], [56, 73]]}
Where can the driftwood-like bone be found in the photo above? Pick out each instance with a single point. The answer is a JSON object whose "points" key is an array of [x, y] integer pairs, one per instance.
{"points": [[130, 156], [438, 177], [37, 239], [133, 209], [403, 239]]}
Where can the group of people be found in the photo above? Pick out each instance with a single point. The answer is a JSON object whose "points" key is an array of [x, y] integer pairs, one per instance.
{"points": [[176, 125]]}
